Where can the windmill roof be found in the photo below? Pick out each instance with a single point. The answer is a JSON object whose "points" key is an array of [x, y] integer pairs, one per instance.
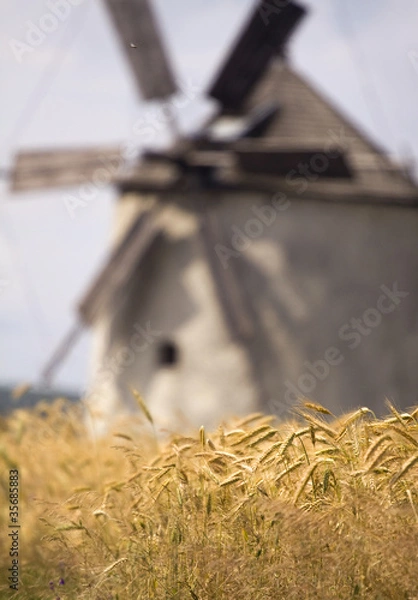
{"points": [[307, 129]]}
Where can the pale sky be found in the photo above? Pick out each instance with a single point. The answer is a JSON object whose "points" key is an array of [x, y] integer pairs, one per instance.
{"points": [[74, 89]]}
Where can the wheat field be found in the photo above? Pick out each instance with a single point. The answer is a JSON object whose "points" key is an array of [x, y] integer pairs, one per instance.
{"points": [[318, 508]]}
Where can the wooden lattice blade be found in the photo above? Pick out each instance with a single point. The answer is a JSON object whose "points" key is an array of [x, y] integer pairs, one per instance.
{"points": [[264, 36], [141, 40], [37, 169]]}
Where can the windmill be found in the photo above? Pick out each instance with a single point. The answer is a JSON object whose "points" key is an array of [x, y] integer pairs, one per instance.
{"points": [[193, 305]]}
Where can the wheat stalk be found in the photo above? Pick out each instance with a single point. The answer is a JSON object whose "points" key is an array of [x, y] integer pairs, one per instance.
{"points": [[405, 435], [308, 475], [405, 468], [380, 440], [319, 424]]}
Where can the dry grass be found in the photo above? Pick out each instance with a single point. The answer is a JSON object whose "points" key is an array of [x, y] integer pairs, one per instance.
{"points": [[320, 508]]}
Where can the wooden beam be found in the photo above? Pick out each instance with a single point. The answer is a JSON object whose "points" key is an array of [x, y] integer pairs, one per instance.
{"points": [[141, 41], [260, 119], [281, 162], [150, 175]]}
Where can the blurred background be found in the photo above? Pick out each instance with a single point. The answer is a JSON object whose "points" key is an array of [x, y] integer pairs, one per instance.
{"points": [[74, 89]]}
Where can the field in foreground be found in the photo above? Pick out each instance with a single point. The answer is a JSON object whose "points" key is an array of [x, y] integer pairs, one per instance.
{"points": [[320, 508]]}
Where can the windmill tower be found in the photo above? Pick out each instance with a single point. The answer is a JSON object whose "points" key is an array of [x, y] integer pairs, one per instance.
{"points": [[252, 263]]}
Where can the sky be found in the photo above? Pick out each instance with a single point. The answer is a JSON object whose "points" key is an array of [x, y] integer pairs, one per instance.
{"points": [[74, 89]]}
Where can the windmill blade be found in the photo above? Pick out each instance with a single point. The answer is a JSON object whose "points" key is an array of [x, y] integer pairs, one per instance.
{"points": [[39, 169], [265, 35], [124, 261], [138, 31], [66, 345]]}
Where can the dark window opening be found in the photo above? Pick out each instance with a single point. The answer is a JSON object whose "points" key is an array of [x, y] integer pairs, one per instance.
{"points": [[168, 354]]}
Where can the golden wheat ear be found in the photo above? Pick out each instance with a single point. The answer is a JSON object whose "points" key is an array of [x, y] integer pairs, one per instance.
{"points": [[144, 408], [142, 405]]}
